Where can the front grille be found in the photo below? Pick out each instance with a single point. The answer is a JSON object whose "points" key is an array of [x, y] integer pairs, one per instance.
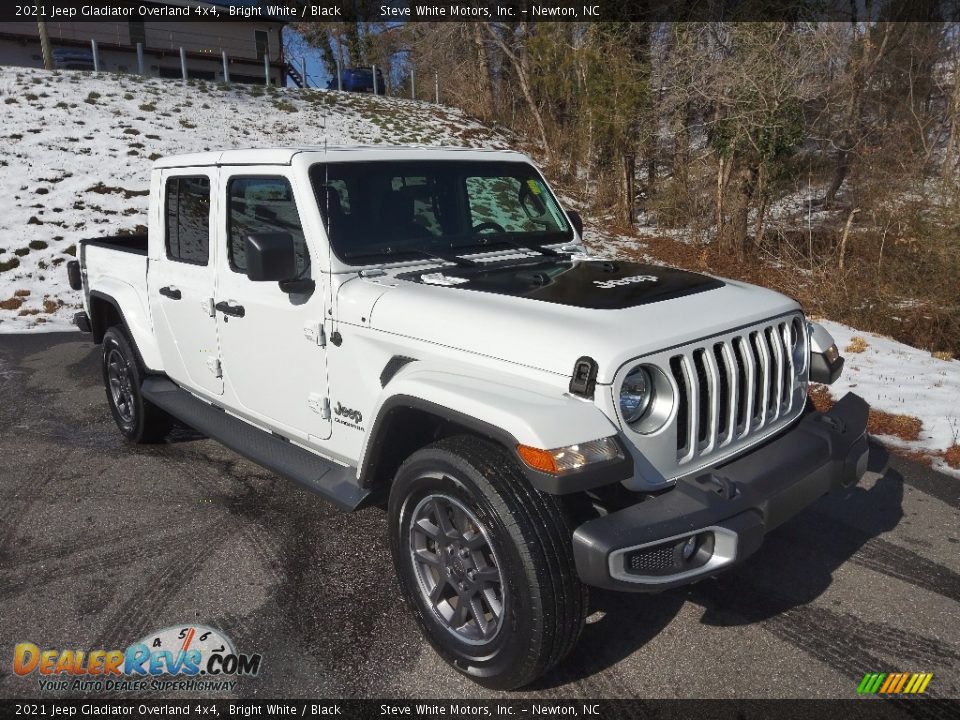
{"points": [[733, 388]]}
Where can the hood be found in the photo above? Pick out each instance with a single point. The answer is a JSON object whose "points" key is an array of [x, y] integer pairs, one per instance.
{"points": [[548, 313]]}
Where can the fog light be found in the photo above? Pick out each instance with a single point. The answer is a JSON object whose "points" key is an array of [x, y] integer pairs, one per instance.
{"points": [[689, 548]]}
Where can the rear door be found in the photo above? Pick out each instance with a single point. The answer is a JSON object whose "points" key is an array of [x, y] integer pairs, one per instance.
{"points": [[274, 357], [182, 279]]}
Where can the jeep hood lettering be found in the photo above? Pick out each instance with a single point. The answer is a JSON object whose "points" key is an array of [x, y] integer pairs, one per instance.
{"points": [[595, 284], [532, 323]]}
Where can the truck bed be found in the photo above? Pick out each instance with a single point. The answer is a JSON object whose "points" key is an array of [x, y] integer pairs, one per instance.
{"points": [[136, 244]]}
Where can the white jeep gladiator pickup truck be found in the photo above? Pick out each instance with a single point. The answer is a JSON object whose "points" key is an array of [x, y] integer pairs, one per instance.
{"points": [[422, 328]]}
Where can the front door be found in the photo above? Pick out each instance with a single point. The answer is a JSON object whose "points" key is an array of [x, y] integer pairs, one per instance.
{"points": [[182, 280], [274, 359]]}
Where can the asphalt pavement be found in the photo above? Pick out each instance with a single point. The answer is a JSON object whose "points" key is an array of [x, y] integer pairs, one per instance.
{"points": [[103, 542]]}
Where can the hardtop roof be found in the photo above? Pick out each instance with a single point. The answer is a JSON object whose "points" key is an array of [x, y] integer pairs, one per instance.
{"points": [[285, 155]]}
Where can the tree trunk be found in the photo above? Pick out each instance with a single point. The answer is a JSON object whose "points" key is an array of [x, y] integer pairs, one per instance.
{"points": [[762, 210], [846, 233], [488, 109], [950, 156], [627, 189], [520, 63], [740, 213], [864, 58]]}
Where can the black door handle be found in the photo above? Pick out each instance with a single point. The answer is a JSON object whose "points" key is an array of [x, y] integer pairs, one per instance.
{"points": [[171, 293], [228, 309]]}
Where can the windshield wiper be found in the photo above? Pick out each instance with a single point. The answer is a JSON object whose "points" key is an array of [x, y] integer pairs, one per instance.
{"points": [[446, 257], [514, 243]]}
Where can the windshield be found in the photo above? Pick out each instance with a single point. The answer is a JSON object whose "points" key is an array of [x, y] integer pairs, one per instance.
{"points": [[381, 211]]}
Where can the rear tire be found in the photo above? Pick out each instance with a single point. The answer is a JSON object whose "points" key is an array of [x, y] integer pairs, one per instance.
{"points": [[139, 420], [464, 522]]}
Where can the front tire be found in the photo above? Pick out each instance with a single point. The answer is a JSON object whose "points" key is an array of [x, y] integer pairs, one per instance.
{"points": [[485, 561], [139, 420]]}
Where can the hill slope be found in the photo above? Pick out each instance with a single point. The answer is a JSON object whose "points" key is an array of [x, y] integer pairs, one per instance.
{"points": [[79, 149]]}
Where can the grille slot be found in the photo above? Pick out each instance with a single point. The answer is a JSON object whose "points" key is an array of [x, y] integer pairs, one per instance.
{"points": [[732, 389]]}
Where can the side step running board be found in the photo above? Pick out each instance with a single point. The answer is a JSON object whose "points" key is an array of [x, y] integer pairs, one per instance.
{"points": [[336, 483]]}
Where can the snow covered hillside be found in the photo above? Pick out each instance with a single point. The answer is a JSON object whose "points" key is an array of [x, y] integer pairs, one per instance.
{"points": [[78, 147]]}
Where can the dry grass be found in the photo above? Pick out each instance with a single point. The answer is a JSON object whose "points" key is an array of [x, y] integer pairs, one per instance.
{"points": [[857, 345], [21, 293], [905, 427], [952, 456], [821, 398], [942, 355], [13, 303], [861, 298]]}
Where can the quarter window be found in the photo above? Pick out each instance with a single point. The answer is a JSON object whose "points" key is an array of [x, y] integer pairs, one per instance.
{"points": [[188, 219]]}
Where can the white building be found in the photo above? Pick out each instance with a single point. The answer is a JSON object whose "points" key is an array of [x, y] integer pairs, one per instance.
{"points": [[246, 43]]}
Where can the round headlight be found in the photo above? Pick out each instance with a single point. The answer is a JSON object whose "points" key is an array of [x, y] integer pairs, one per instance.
{"points": [[636, 394]]}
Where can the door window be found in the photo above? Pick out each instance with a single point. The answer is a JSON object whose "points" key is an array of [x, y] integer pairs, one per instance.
{"points": [[263, 205], [188, 219]]}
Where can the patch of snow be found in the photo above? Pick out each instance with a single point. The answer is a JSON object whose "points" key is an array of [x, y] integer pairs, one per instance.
{"points": [[78, 148], [897, 378]]}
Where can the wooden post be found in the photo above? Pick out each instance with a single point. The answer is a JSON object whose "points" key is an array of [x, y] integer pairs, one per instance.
{"points": [[96, 55], [339, 77], [266, 69], [226, 68], [183, 65], [45, 45], [436, 86], [141, 64], [413, 85], [374, 68]]}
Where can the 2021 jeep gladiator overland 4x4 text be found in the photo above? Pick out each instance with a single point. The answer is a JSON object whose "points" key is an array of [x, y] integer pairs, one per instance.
{"points": [[422, 325]]}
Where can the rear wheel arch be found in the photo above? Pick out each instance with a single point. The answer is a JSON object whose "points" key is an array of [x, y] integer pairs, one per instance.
{"points": [[105, 313]]}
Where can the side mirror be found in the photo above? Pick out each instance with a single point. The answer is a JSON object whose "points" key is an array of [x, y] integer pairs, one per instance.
{"points": [[576, 221], [271, 257]]}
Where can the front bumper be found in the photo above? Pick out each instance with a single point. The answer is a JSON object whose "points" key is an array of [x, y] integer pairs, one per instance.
{"points": [[718, 517]]}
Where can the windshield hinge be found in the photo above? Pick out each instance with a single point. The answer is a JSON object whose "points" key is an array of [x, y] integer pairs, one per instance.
{"points": [[314, 333]]}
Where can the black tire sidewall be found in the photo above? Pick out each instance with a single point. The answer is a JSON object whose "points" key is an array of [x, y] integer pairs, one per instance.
{"points": [[114, 339], [506, 651]]}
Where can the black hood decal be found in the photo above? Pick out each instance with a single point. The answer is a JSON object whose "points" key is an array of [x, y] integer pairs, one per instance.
{"points": [[594, 284]]}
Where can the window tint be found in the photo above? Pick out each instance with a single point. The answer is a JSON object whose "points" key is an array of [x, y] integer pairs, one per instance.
{"points": [[188, 219], [378, 210], [263, 205]]}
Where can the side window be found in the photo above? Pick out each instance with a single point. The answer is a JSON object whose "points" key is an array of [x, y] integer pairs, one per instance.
{"points": [[262, 205], [188, 219]]}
